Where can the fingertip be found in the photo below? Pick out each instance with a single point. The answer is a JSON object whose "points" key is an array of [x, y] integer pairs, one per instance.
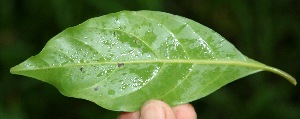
{"points": [[156, 109], [185, 111]]}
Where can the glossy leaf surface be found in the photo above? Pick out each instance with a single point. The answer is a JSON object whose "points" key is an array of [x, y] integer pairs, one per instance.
{"points": [[123, 59]]}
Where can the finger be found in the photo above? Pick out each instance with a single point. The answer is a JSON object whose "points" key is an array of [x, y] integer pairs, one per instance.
{"points": [[129, 115], [155, 109], [185, 111]]}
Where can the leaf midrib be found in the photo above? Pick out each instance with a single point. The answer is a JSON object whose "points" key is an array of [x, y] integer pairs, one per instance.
{"points": [[172, 61], [255, 65]]}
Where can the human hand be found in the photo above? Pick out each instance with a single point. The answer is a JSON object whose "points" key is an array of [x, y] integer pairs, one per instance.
{"points": [[156, 109]]}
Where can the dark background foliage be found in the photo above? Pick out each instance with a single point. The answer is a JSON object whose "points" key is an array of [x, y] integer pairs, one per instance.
{"points": [[265, 30]]}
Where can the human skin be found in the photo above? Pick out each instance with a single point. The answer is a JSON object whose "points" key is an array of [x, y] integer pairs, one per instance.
{"points": [[156, 109]]}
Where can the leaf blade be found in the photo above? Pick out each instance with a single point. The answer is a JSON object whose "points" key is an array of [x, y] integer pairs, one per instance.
{"points": [[123, 59]]}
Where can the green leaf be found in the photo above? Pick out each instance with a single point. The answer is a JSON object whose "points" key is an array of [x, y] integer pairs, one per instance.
{"points": [[123, 59]]}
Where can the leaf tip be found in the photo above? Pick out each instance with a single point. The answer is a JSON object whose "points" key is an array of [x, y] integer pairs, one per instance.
{"points": [[18, 68], [12, 70]]}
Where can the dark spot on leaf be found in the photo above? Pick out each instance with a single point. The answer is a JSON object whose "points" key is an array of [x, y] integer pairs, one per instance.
{"points": [[120, 65], [96, 89], [81, 69]]}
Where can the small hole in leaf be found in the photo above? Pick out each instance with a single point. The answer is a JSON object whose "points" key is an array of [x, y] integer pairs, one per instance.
{"points": [[81, 69]]}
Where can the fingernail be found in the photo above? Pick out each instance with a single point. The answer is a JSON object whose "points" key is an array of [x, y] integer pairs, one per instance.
{"points": [[153, 110]]}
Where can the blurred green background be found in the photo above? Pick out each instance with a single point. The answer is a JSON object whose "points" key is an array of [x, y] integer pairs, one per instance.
{"points": [[265, 30]]}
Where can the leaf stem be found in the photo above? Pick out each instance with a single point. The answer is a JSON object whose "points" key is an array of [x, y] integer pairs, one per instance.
{"points": [[281, 73]]}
